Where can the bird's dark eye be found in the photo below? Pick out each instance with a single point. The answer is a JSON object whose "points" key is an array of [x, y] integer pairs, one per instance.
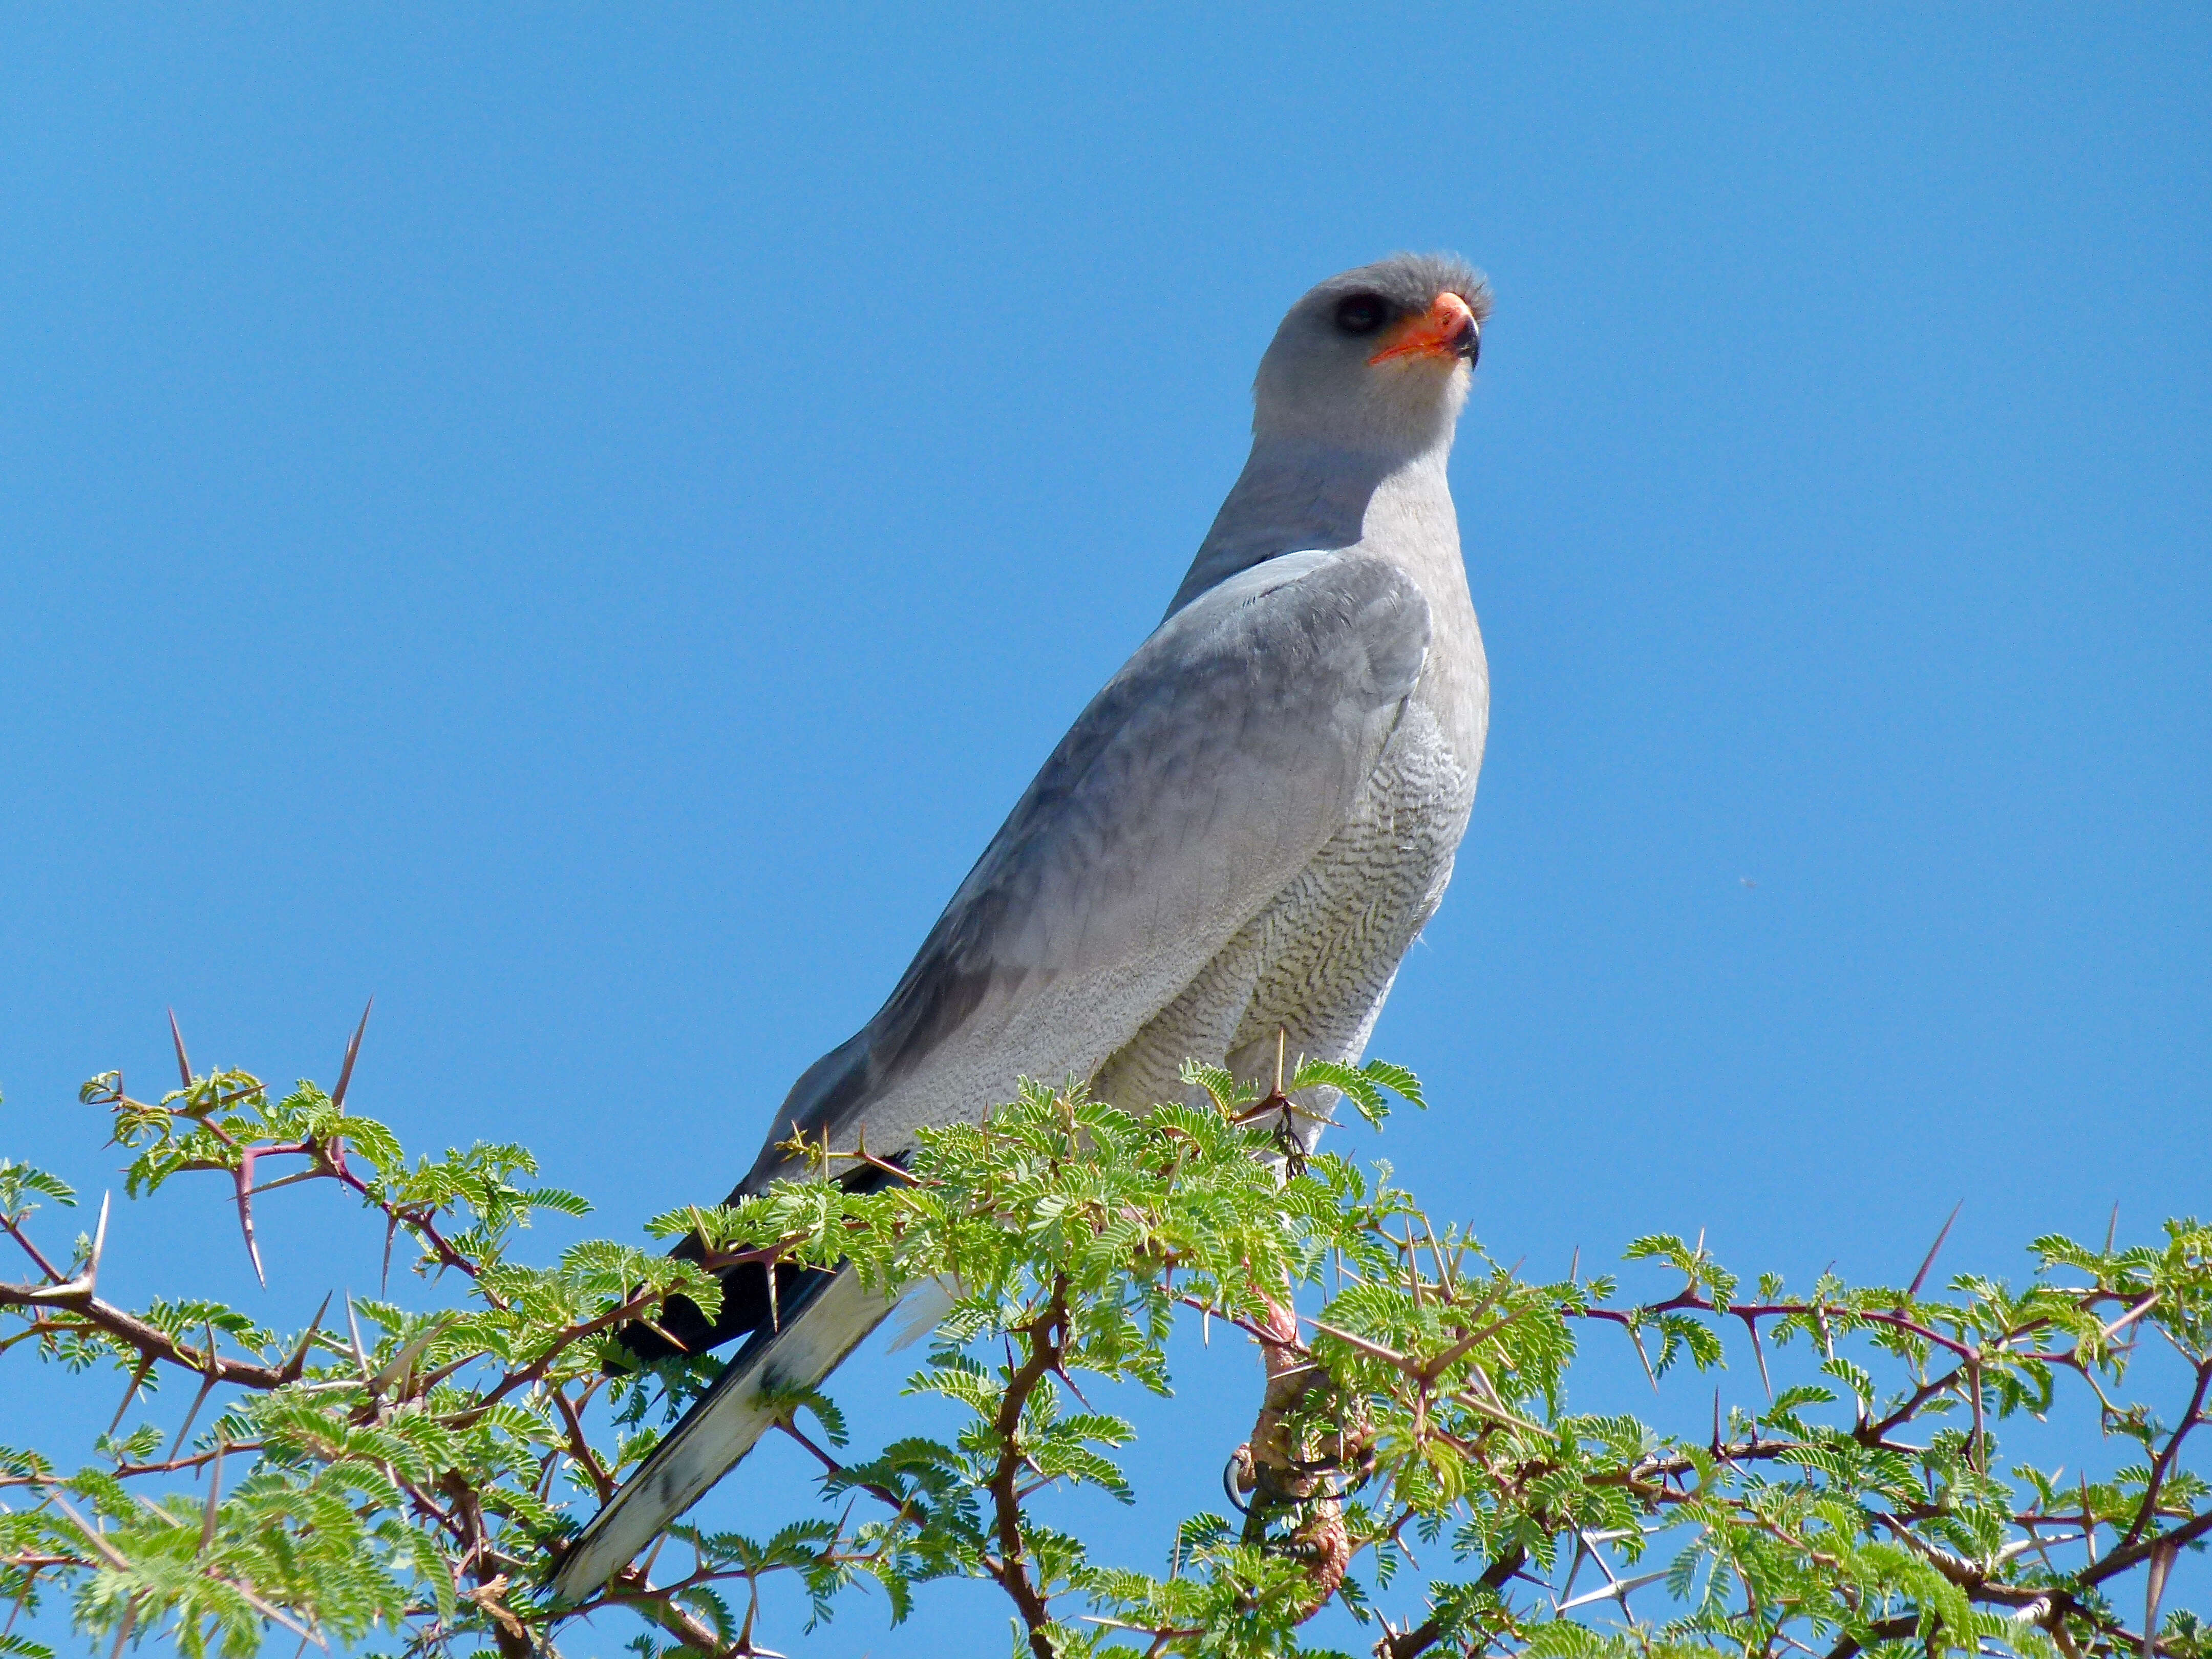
{"points": [[1361, 314]]}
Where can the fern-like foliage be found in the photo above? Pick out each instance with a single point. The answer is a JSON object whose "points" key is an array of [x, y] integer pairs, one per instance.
{"points": [[401, 1475]]}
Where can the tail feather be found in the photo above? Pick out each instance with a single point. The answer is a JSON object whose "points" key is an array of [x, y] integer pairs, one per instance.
{"points": [[922, 1309], [722, 1425]]}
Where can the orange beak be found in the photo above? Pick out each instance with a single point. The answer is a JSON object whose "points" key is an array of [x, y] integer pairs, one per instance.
{"points": [[1446, 329]]}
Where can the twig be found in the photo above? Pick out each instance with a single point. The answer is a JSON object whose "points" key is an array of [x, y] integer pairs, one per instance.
{"points": [[53, 1274], [1045, 1337], [2148, 1506], [1407, 1644]]}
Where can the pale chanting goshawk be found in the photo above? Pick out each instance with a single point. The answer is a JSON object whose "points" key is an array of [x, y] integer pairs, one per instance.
{"points": [[1230, 851]]}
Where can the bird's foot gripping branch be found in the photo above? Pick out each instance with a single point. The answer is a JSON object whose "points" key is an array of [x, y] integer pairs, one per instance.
{"points": [[401, 1474]]}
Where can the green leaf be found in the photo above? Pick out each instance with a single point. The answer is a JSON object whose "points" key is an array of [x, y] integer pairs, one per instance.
{"points": [[19, 1180]]}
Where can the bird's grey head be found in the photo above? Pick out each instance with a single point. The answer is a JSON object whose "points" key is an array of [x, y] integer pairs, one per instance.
{"points": [[1377, 359]]}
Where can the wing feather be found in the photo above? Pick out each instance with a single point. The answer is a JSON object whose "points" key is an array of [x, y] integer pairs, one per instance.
{"points": [[1196, 786]]}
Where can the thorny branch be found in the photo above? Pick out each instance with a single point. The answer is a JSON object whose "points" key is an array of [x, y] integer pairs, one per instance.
{"points": [[1044, 1338], [1417, 1409]]}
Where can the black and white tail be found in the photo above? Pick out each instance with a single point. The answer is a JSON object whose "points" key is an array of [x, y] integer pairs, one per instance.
{"points": [[834, 1313]]}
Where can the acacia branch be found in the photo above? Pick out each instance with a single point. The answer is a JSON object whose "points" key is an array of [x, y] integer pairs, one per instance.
{"points": [[2165, 1465], [1885, 1630], [1407, 1644], [633, 1590], [580, 1445], [1697, 1302], [2119, 1560], [1046, 1337], [149, 1340], [53, 1274]]}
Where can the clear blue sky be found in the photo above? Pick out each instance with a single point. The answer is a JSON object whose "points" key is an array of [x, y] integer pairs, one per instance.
{"points": [[581, 525]]}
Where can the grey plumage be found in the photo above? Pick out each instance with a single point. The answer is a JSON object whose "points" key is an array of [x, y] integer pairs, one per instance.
{"points": [[1238, 838]]}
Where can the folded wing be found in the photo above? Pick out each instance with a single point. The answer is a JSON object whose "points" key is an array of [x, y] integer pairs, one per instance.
{"points": [[1196, 786]]}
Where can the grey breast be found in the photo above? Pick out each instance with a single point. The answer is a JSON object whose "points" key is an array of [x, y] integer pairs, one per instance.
{"points": [[1307, 975]]}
